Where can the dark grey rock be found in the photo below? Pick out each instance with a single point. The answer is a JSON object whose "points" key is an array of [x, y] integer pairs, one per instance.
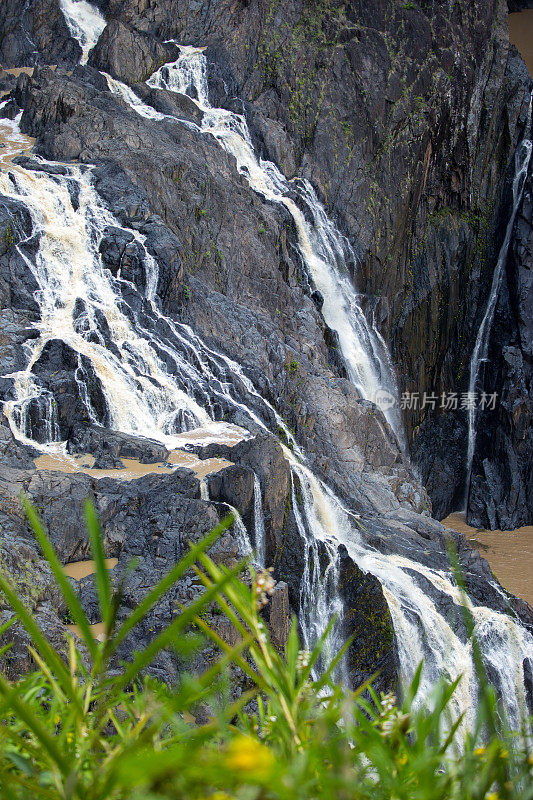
{"points": [[128, 54], [501, 487], [35, 33]]}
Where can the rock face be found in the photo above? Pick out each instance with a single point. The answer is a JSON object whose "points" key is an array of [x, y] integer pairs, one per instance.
{"points": [[405, 118], [340, 94], [519, 5], [35, 34], [501, 492], [119, 43]]}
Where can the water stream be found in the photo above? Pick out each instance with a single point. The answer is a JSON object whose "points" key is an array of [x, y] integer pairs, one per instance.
{"points": [[85, 23], [481, 347], [326, 253], [174, 400]]}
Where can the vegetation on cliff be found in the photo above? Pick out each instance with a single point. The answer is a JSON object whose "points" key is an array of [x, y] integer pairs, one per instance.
{"points": [[91, 728]]}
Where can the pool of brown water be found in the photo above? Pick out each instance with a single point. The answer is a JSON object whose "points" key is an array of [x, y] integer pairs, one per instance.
{"points": [[132, 466], [97, 630], [521, 35], [80, 569], [509, 553]]}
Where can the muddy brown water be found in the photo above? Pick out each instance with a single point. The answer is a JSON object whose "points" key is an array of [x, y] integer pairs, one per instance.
{"points": [[17, 71], [509, 553], [12, 143], [132, 467], [521, 35], [97, 630], [81, 569]]}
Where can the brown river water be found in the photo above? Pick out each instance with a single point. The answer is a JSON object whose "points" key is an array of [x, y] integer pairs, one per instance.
{"points": [[509, 553], [521, 35], [133, 469]]}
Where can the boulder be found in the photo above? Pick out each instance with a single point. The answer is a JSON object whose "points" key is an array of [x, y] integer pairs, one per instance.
{"points": [[128, 54]]}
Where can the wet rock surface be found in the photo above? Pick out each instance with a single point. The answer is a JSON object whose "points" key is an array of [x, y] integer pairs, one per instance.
{"points": [[501, 490], [341, 94], [405, 120], [367, 618], [35, 33], [426, 224], [130, 55]]}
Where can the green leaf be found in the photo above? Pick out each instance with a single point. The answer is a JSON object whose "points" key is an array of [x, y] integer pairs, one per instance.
{"points": [[21, 762], [22, 710], [54, 662], [169, 580], [103, 584], [74, 605]]}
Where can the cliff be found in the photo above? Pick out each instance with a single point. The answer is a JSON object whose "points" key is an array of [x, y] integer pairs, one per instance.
{"points": [[404, 117]]}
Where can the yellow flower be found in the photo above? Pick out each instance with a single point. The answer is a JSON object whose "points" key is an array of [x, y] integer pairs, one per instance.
{"points": [[479, 751], [70, 737], [492, 796], [57, 719], [530, 760], [503, 753], [249, 756], [402, 759]]}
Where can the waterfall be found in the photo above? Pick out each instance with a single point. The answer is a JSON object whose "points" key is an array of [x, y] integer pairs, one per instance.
{"points": [[161, 380], [421, 630], [85, 23], [241, 534], [259, 524], [143, 397], [146, 398], [324, 250], [319, 597], [481, 347]]}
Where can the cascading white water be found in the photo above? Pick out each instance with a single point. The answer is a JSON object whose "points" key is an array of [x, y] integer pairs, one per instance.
{"points": [[243, 540], [481, 347], [142, 396], [324, 250], [85, 23], [147, 398], [129, 97], [259, 524], [319, 596], [421, 630]]}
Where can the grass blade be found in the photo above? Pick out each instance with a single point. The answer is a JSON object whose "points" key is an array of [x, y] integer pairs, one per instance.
{"points": [[103, 584], [169, 580], [74, 605]]}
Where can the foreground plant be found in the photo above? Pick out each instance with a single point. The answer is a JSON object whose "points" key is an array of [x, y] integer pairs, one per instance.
{"points": [[83, 729]]}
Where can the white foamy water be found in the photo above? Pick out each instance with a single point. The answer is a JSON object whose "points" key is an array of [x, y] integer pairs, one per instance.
{"points": [[12, 141], [175, 406], [325, 251], [172, 400], [76, 292], [129, 96], [85, 23], [421, 630]]}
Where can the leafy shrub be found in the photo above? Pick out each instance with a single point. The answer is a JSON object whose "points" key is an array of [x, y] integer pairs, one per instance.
{"points": [[85, 731]]}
